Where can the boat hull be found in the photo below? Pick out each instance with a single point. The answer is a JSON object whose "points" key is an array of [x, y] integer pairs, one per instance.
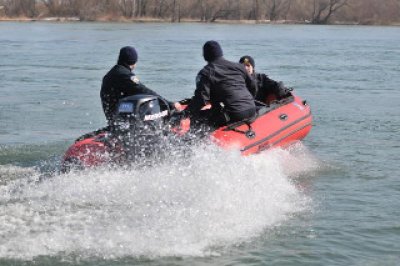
{"points": [[277, 125]]}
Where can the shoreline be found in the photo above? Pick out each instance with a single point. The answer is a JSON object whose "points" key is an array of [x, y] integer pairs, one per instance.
{"points": [[155, 20]]}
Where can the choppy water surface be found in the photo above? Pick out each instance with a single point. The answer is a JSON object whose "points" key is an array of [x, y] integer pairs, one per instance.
{"points": [[331, 200]]}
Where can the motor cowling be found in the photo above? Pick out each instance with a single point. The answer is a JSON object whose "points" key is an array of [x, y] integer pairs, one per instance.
{"points": [[139, 124], [137, 109]]}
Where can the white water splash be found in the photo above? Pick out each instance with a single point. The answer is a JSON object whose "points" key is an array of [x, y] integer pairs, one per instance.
{"points": [[11, 172], [214, 198]]}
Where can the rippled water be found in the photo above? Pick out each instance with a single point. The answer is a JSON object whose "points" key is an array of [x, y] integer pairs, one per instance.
{"points": [[332, 200]]}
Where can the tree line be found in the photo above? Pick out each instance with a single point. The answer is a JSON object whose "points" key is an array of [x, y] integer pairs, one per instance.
{"points": [[275, 11]]}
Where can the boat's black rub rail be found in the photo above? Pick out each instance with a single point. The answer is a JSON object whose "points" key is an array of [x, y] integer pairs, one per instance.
{"points": [[264, 147]]}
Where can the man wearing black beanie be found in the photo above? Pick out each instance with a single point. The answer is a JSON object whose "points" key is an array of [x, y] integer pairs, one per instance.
{"points": [[265, 89], [225, 85], [121, 82]]}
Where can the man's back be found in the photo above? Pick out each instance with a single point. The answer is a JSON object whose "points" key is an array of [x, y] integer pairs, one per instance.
{"points": [[228, 85], [116, 84]]}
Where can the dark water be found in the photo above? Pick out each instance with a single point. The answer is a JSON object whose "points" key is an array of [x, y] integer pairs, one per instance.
{"points": [[332, 200]]}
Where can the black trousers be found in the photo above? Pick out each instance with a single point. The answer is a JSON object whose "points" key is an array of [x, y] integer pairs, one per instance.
{"points": [[239, 116], [215, 119]]}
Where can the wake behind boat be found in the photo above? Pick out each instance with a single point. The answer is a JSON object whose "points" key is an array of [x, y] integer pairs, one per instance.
{"points": [[144, 123]]}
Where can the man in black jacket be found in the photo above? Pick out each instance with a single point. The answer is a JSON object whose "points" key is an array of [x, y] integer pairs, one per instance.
{"points": [[265, 89], [225, 85], [121, 82]]}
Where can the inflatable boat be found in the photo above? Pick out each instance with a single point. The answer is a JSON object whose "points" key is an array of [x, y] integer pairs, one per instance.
{"points": [[144, 123]]}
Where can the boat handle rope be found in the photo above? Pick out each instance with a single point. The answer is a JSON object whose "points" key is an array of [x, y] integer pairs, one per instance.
{"points": [[248, 133]]}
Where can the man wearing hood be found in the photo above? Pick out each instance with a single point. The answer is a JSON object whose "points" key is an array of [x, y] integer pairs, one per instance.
{"points": [[226, 86], [121, 82], [265, 89]]}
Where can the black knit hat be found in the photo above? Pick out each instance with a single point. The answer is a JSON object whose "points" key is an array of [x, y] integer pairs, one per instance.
{"points": [[127, 56], [247, 59], [212, 50]]}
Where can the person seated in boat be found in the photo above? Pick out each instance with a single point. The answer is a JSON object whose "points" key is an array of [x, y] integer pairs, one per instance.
{"points": [[223, 84], [121, 82], [265, 89]]}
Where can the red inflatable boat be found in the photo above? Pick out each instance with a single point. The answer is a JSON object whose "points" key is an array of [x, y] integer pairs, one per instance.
{"points": [[142, 121]]}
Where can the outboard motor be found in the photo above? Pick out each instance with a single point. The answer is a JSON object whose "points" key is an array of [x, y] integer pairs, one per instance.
{"points": [[139, 124]]}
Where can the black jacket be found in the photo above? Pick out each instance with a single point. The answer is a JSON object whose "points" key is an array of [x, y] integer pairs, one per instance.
{"points": [[265, 86], [223, 82], [118, 83]]}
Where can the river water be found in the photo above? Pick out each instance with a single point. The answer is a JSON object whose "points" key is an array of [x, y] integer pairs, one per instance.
{"points": [[331, 200]]}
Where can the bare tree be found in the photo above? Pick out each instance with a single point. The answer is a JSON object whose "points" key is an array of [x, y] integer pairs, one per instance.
{"points": [[91, 10], [286, 9], [313, 11], [29, 8], [141, 7], [253, 10], [324, 9], [160, 8], [256, 7], [176, 11], [204, 9], [127, 7], [20, 8], [53, 6], [222, 10], [277, 8]]}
